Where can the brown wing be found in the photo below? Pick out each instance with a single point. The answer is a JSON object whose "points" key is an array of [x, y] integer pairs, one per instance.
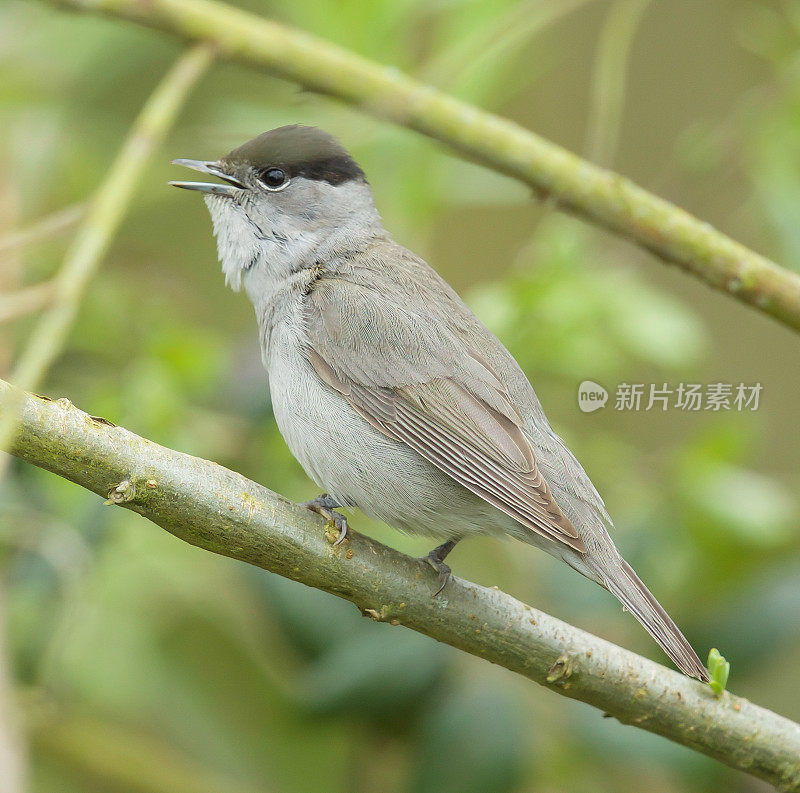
{"points": [[418, 383]]}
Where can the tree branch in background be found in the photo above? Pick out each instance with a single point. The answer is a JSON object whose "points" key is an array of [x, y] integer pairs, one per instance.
{"points": [[41, 229], [219, 510], [609, 79], [24, 301], [595, 194], [100, 223]]}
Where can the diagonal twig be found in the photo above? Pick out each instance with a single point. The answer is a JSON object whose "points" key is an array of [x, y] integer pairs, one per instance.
{"points": [[43, 228], [24, 301], [609, 78], [101, 223]]}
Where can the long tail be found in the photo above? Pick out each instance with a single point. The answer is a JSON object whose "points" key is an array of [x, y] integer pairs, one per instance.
{"points": [[628, 588]]}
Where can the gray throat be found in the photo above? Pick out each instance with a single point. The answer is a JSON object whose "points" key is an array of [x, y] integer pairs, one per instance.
{"points": [[283, 273], [277, 254]]}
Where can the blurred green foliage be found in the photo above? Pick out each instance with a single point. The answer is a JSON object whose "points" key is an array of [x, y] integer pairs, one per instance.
{"points": [[204, 669]]}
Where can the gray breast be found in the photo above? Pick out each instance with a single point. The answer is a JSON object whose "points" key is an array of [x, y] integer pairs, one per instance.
{"points": [[358, 465]]}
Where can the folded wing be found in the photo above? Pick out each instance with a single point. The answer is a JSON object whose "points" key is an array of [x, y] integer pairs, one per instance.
{"points": [[419, 383]]}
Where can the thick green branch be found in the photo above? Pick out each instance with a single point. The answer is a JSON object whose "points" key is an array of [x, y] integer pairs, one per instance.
{"points": [[221, 511], [598, 195]]}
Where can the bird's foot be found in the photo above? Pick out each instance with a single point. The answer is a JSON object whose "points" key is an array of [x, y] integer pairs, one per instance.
{"points": [[325, 505], [436, 560]]}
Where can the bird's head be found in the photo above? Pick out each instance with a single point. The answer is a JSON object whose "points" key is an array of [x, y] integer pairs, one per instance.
{"points": [[285, 198]]}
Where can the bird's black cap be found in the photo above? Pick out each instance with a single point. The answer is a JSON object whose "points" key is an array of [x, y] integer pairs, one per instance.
{"points": [[299, 151]]}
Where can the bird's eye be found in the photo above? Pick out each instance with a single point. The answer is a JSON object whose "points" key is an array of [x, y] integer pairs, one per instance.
{"points": [[273, 178]]}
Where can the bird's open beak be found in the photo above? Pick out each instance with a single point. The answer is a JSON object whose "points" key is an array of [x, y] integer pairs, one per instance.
{"points": [[213, 168]]}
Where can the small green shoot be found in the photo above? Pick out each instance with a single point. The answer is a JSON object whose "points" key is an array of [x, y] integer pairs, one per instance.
{"points": [[719, 670]]}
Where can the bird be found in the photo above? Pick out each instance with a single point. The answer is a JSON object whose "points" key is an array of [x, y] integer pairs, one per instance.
{"points": [[390, 392]]}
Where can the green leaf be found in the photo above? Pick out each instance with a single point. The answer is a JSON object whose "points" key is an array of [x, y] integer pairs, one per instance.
{"points": [[719, 669]]}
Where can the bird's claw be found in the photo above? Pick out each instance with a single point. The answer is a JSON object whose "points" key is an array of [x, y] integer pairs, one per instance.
{"points": [[444, 575], [325, 505], [340, 523], [436, 560]]}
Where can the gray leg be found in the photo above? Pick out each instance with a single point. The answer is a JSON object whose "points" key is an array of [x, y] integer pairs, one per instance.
{"points": [[325, 505], [436, 560]]}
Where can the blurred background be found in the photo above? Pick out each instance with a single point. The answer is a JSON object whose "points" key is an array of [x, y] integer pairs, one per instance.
{"points": [[130, 661]]}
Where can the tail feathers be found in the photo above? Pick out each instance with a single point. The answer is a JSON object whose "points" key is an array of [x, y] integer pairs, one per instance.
{"points": [[628, 588]]}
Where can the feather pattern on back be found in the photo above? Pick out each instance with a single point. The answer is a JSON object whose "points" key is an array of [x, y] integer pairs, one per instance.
{"points": [[452, 409]]}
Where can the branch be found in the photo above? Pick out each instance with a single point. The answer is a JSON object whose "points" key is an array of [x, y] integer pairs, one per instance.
{"points": [[219, 510], [41, 229], [105, 214], [609, 78], [101, 222], [595, 194], [24, 301]]}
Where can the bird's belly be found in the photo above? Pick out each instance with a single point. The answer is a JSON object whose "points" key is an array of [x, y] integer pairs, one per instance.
{"points": [[360, 466]]}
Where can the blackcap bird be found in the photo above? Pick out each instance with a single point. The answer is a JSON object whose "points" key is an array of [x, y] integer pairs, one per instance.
{"points": [[390, 392]]}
